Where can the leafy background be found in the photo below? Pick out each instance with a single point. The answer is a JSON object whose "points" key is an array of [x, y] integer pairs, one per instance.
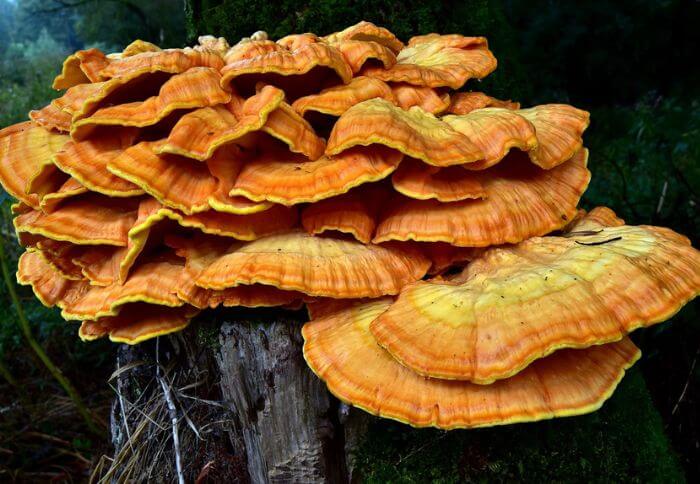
{"points": [[632, 63]]}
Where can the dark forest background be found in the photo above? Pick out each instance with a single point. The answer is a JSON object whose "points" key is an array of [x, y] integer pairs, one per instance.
{"points": [[632, 63]]}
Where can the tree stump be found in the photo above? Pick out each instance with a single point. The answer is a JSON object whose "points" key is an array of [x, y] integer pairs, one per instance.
{"points": [[248, 407]]}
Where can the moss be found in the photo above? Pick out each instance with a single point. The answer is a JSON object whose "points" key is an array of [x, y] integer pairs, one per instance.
{"points": [[623, 442]]}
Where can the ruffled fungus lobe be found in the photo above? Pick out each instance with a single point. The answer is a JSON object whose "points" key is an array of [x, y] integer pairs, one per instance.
{"points": [[415, 133], [513, 305], [289, 180], [251, 49], [521, 201], [169, 61], [368, 32], [86, 220], [559, 128], [200, 133], [26, 167], [83, 67], [353, 213], [466, 102], [139, 47], [426, 98], [71, 188], [137, 323], [439, 61], [417, 180], [334, 101], [196, 88], [300, 72], [316, 266], [59, 112], [357, 53], [87, 162], [340, 349]]}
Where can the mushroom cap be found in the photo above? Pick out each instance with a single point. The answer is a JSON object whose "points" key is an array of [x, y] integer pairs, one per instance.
{"points": [[521, 201], [353, 213], [87, 162], [285, 124], [317, 266], [559, 128], [516, 304], [170, 61], [297, 72], [340, 349], [281, 177], [426, 98], [195, 88], [368, 32], [26, 151], [71, 188], [415, 179], [466, 102], [90, 219], [33, 269], [137, 323], [58, 114], [251, 49], [82, 67], [413, 132], [139, 46], [439, 61], [357, 52], [200, 133], [336, 100]]}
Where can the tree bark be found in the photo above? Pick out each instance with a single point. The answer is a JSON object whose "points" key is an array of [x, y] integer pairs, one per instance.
{"points": [[249, 409]]}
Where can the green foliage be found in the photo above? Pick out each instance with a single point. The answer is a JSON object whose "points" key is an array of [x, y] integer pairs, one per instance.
{"points": [[623, 442]]}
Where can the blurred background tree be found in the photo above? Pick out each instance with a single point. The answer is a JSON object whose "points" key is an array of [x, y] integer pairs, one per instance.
{"points": [[632, 63]]}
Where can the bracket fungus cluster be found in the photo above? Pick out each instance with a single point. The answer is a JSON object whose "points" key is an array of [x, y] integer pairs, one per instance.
{"points": [[432, 232]]}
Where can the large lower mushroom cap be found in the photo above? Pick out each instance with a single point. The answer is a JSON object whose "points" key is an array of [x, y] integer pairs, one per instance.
{"points": [[340, 349], [316, 266], [521, 201], [516, 304]]}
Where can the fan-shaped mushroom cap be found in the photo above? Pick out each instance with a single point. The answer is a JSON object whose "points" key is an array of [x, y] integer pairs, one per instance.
{"points": [[286, 125], [599, 216], [87, 162], [439, 61], [298, 72], [218, 45], [495, 131], [251, 49], [368, 32], [426, 98], [296, 41], [198, 87], [87, 220], [50, 288], [445, 256], [137, 323], [354, 213], [82, 67], [559, 128], [336, 100], [340, 349], [414, 132], [150, 282], [55, 254], [170, 61], [317, 266], [417, 180], [288, 180], [522, 200], [58, 114], [71, 188], [200, 133], [357, 52], [26, 151], [139, 47], [516, 304], [466, 102]]}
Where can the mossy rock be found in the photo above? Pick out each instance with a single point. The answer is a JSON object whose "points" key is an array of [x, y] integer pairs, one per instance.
{"points": [[622, 442]]}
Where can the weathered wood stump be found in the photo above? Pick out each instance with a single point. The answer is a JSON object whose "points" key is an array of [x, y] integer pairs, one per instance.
{"points": [[248, 407]]}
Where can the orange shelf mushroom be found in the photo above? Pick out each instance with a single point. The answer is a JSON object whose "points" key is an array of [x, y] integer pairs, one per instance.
{"points": [[340, 349], [344, 172]]}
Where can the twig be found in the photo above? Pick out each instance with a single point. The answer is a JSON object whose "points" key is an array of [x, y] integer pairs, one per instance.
{"points": [[614, 239], [687, 382], [122, 409], [39, 351], [172, 410], [662, 198]]}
